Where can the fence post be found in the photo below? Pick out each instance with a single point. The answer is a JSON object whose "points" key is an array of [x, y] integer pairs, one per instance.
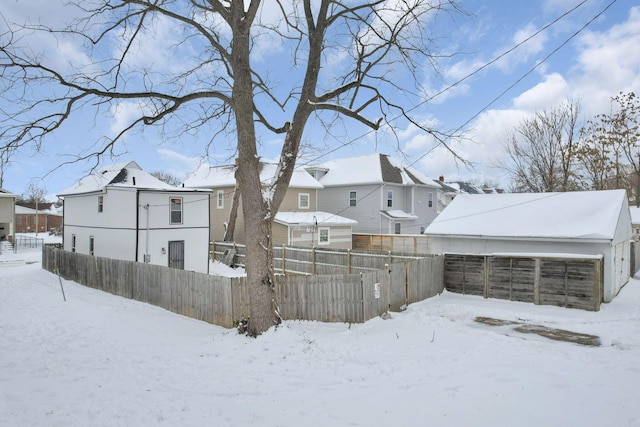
{"points": [[348, 261], [284, 264], [313, 261]]}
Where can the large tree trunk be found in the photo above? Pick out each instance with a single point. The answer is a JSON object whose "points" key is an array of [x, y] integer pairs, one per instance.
{"points": [[258, 218]]}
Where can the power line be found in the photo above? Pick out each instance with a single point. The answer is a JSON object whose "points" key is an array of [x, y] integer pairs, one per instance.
{"points": [[501, 94], [471, 74]]}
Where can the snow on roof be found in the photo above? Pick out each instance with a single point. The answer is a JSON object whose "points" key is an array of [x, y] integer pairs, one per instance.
{"points": [[118, 175], [5, 193], [580, 214], [207, 176], [373, 168], [635, 214], [398, 214], [22, 210], [311, 218]]}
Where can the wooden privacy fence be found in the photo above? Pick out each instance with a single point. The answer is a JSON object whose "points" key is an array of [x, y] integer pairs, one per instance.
{"points": [[564, 282], [223, 301], [416, 244], [301, 260]]}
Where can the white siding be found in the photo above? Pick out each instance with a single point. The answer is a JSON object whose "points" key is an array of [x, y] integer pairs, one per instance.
{"points": [[194, 229], [120, 231]]}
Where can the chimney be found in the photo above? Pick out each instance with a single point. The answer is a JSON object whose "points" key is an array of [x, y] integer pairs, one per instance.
{"points": [[441, 179]]}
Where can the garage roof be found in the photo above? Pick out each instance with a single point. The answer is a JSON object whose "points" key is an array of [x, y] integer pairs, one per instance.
{"points": [[579, 215]]}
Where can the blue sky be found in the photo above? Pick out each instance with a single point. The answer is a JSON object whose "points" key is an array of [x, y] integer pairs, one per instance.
{"points": [[594, 65]]}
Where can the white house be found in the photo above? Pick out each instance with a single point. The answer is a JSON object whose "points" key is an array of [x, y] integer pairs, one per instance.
{"points": [[125, 213], [298, 221], [7, 214], [585, 222], [379, 192]]}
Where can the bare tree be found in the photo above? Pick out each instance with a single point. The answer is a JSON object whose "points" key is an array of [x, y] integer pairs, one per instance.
{"points": [[598, 156], [5, 160], [541, 151], [34, 194], [167, 178], [609, 151], [349, 59]]}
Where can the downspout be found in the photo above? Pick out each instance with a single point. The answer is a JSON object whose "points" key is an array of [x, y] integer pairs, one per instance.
{"points": [[147, 258], [383, 206], [137, 223]]}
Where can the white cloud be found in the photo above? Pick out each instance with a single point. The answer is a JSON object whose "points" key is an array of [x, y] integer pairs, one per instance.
{"points": [[524, 52], [552, 90], [179, 164], [124, 113], [608, 63]]}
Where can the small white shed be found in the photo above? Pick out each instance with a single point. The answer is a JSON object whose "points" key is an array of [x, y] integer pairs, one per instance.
{"points": [[577, 223]]}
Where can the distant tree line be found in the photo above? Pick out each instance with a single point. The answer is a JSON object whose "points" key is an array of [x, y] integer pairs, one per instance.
{"points": [[551, 152]]}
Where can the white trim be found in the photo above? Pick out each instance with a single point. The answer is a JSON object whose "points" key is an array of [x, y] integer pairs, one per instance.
{"points": [[320, 231], [301, 197], [220, 199]]}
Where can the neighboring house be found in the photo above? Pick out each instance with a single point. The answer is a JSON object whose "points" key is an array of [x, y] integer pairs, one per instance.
{"points": [[635, 222], [465, 188], [446, 193], [29, 220], [125, 213], [298, 221], [7, 214], [376, 190], [574, 223]]}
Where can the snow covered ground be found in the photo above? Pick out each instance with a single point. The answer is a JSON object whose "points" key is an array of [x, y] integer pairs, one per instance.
{"points": [[101, 360]]}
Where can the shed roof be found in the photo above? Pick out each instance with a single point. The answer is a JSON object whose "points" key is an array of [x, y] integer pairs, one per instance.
{"points": [[573, 215], [312, 218]]}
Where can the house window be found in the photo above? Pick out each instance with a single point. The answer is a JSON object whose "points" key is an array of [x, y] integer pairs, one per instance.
{"points": [[176, 210], [430, 198], [19, 220], [397, 230], [100, 203], [91, 245], [323, 236], [73, 243], [220, 199], [389, 199], [303, 201], [421, 230], [352, 198]]}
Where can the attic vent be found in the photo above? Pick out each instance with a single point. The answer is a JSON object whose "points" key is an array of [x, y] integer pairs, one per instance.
{"points": [[134, 180]]}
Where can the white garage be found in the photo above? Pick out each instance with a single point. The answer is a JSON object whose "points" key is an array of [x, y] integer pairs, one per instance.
{"points": [[540, 224]]}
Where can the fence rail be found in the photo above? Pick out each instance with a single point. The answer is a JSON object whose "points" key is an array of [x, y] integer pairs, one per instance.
{"points": [[355, 297], [298, 260]]}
